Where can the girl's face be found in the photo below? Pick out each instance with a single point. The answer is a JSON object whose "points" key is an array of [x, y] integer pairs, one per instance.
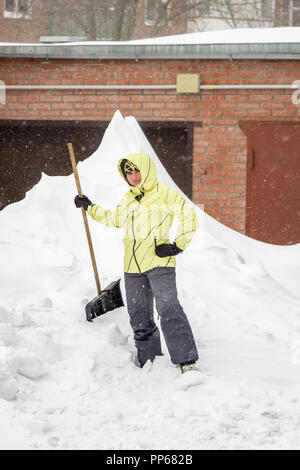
{"points": [[134, 178]]}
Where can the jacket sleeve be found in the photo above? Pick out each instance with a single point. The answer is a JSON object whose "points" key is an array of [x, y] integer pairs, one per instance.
{"points": [[110, 218], [188, 220]]}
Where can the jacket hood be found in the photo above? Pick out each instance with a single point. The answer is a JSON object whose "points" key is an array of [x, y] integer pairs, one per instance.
{"points": [[148, 171]]}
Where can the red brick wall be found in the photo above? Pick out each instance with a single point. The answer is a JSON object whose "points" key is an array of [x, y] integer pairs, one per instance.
{"points": [[21, 30], [220, 146]]}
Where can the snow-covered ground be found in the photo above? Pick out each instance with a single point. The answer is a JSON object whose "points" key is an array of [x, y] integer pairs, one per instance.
{"points": [[69, 384]]}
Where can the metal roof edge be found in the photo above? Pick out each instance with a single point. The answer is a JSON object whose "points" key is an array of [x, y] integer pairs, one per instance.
{"points": [[153, 51]]}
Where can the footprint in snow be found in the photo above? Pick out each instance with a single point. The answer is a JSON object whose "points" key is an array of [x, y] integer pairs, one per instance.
{"points": [[190, 379]]}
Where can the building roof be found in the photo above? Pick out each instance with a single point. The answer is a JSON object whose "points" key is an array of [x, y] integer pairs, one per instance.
{"points": [[250, 43]]}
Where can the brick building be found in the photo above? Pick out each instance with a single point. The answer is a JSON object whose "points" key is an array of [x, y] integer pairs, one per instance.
{"points": [[35, 20], [29, 21], [18, 23], [235, 150]]}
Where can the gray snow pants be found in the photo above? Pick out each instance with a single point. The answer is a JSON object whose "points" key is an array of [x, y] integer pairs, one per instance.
{"points": [[160, 284]]}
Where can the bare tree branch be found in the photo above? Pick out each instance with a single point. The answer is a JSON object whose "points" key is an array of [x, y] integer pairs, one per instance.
{"points": [[121, 19]]}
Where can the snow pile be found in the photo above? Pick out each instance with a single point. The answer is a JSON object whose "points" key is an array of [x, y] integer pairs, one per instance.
{"points": [[69, 384], [25, 349]]}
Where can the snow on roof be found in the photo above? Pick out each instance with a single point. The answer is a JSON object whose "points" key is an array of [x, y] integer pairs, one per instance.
{"points": [[230, 36], [227, 36]]}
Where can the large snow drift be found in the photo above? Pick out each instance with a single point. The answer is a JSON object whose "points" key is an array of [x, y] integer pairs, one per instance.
{"points": [[68, 384]]}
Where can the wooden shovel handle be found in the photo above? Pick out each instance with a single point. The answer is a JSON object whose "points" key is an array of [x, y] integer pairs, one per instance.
{"points": [[85, 220]]}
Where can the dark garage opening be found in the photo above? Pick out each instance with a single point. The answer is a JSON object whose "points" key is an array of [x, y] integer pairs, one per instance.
{"points": [[28, 148]]}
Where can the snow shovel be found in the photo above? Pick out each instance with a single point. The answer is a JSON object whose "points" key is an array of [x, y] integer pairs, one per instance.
{"points": [[111, 297]]}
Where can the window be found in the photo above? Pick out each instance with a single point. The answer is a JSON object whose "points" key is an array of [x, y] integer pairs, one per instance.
{"points": [[291, 12], [296, 13], [17, 9], [198, 9], [151, 12], [10, 5], [267, 10]]}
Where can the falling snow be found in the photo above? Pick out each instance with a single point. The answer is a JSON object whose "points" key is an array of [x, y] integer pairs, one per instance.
{"points": [[69, 384]]}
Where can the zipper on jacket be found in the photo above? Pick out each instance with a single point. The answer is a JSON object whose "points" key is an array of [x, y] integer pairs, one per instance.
{"points": [[134, 243]]}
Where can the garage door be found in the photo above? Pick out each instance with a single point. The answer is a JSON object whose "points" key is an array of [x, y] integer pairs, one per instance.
{"points": [[273, 184], [28, 148]]}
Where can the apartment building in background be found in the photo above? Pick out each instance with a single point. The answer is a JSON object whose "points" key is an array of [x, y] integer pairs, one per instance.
{"points": [[217, 15], [37, 21], [34, 20]]}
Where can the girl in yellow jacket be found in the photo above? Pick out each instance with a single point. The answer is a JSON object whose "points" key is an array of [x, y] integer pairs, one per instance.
{"points": [[146, 212]]}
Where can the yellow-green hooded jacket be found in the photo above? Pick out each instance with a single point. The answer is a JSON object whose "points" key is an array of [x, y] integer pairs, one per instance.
{"points": [[146, 212]]}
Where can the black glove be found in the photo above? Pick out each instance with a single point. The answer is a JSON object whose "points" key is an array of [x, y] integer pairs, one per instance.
{"points": [[82, 202], [167, 249]]}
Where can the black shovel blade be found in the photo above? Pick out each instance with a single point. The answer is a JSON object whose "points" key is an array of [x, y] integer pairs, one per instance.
{"points": [[108, 299]]}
